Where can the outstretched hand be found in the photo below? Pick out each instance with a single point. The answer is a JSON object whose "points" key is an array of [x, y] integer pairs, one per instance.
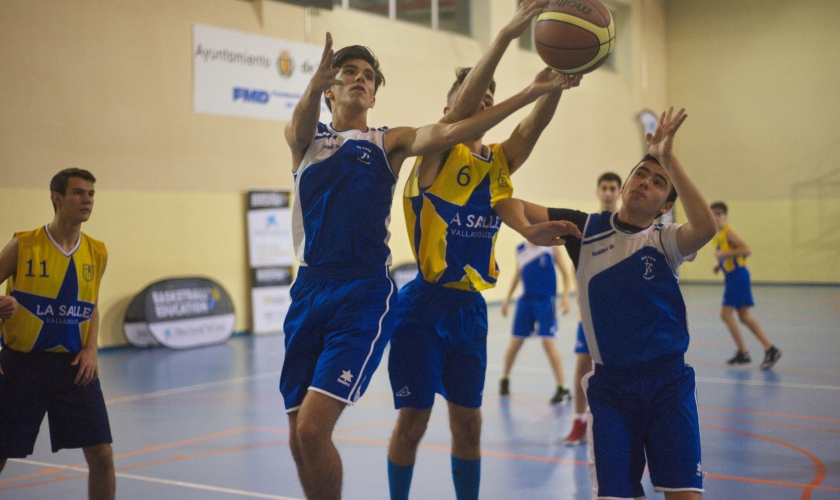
{"points": [[549, 80], [522, 19], [325, 76], [660, 144], [551, 233]]}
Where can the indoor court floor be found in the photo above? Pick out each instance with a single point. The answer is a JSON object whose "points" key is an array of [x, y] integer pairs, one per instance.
{"points": [[209, 423]]}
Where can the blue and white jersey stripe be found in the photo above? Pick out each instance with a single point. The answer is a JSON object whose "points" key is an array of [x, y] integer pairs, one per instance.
{"points": [[344, 187], [631, 307]]}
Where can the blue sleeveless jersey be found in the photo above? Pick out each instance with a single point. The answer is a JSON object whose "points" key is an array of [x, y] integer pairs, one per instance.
{"points": [[536, 267], [344, 187], [632, 310]]}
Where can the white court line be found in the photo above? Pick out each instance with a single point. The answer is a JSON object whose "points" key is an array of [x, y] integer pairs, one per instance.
{"points": [[732, 381], [706, 380], [179, 390], [183, 484]]}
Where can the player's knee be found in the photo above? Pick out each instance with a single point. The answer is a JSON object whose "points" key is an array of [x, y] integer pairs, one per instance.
{"points": [[466, 429], [310, 432], [725, 313], [100, 457], [744, 315], [410, 428]]}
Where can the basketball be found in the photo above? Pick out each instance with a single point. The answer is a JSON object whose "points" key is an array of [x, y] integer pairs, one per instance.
{"points": [[575, 36]]}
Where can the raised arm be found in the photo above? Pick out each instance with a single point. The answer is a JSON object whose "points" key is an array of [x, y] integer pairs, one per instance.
{"points": [[560, 262], [700, 228], [301, 130], [531, 221], [513, 285], [402, 142], [521, 142], [478, 79]]}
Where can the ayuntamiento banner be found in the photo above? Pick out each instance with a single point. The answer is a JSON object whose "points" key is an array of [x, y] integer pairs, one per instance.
{"points": [[248, 75]]}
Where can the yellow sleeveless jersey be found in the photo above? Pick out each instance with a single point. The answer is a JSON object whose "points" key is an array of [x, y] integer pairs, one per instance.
{"points": [[56, 293], [451, 224], [721, 242]]}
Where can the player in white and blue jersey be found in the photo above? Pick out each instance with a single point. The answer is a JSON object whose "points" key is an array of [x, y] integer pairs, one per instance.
{"points": [[536, 313], [341, 316], [642, 395]]}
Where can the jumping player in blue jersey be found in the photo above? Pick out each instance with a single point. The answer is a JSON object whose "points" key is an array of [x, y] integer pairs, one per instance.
{"points": [[50, 325], [642, 395], [535, 311], [341, 316]]}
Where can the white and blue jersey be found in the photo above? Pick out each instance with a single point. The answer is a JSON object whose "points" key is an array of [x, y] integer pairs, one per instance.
{"points": [[632, 310], [641, 394], [536, 268], [344, 187], [341, 316]]}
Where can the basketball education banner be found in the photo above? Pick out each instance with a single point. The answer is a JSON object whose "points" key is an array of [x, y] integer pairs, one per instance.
{"points": [[253, 76], [180, 313], [271, 256]]}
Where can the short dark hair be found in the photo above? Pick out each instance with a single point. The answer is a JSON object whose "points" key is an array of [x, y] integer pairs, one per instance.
{"points": [[719, 205], [460, 76], [58, 184], [352, 52], [609, 177], [672, 195]]}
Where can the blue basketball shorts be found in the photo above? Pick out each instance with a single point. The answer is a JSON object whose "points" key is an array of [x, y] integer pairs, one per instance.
{"points": [[439, 346], [650, 412], [336, 331], [581, 347], [737, 291], [38, 383], [536, 311]]}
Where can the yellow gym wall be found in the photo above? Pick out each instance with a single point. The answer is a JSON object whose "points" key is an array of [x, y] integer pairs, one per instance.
{"points": [[759, 79], [107, 85]]}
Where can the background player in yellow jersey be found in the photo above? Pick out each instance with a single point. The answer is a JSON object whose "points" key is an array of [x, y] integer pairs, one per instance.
{"points": [[731, 252], [440, 338], [48, 364]]}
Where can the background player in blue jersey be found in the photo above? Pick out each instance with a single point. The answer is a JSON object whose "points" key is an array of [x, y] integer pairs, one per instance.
{"points": [[50, 325], [642, 395], [341, 314], [607, 190], [535, 310], [440, 339], [731, 252]]}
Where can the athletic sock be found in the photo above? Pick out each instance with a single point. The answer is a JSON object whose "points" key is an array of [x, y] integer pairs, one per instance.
{"points": [[466, 474], [399, 480]]}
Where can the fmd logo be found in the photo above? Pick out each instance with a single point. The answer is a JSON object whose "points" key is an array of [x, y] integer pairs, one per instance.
{"points": [[250, 95]]}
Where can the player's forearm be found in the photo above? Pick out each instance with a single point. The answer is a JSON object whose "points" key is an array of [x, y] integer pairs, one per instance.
{"points": [[484, 120], [539, 118], [524, 137], [478, 80], [696, 208], [92, 342], [301, 130]]}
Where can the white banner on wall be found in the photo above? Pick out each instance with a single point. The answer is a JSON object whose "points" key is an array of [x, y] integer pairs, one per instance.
{"points": [[253, 76]]}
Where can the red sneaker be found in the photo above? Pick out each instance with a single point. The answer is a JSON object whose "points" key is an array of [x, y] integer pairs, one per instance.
{"points": [[577, 435]]}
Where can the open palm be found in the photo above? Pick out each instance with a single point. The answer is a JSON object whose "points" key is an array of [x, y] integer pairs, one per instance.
{"points": [[660, 144]]}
